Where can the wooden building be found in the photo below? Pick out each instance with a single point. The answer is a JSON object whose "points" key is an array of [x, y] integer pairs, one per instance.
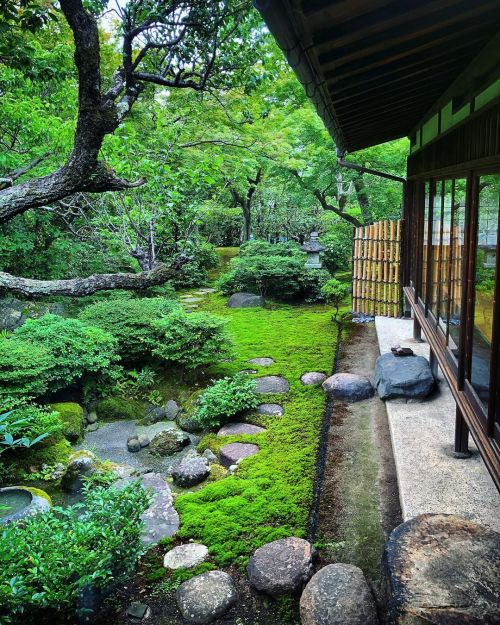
{"points": [[378, 70]]}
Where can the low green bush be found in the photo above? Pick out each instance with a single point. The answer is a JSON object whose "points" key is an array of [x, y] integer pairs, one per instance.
{"points": [[337, 255], [263, 248], [71, 415], [335, 292], [117, 408], [129, 321], [26, 426], [203, 258], [50, 559], [225, 399], [76, 349], [191, 340]]}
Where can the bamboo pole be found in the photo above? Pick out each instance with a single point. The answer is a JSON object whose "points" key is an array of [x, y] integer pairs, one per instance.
{"points": [[396, 272], [374, 269], [385, 267]]}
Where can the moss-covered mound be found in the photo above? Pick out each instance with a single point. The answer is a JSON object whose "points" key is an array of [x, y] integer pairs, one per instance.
{"points": [[71, 415], [118, 408]]}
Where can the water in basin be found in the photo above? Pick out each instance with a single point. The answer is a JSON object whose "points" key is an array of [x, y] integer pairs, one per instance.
{"points": [[13, 501]]}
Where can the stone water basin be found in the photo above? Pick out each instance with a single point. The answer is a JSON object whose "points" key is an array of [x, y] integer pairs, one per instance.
{"points": [[17, 502]]}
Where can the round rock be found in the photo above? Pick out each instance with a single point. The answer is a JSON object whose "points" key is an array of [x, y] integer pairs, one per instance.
{"points": [[338, 594], [272, 384], [348, 386], [191, 471], [169, 442], [185, 556], [205, 597], [230, 454], [311, 378], [261, 362], [282, 566], [143, 440], [246, 300], [239, 428], [133, 445], [410, 377], [274, 410], [91, 417]]}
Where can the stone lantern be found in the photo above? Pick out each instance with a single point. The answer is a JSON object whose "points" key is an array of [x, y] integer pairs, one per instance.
{"points": [[313, 248]]}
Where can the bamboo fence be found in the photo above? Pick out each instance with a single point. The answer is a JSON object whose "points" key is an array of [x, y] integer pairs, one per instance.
{"points": [[376, 269]]}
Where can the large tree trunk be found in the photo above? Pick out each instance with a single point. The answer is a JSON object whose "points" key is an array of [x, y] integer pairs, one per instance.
{"points": [[363, 200], [247, 221]]}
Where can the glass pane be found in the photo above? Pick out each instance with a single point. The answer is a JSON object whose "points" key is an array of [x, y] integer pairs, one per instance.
{"points": [[488, 210], [444, 272], [425, 247], [436, 247], [457, 251]]}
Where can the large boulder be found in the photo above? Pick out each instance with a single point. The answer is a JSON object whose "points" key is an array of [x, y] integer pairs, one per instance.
{"points": [[272, 384], [230, 429], [246, 300], [234, 452], [282, 566], [442, 569], [185, 556], [191, 471], [73, 419], [338, 594], [169, 442], [409, 377], [205, 597], [348, 387]]}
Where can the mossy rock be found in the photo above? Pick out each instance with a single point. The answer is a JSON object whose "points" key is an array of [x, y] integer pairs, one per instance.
{"points": [[119, 408], [71, 415], [217, 472], [38, 492], [51, 453]]}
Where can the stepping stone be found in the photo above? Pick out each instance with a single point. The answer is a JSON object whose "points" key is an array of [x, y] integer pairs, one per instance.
{"points": [[205, 290], [441, 569], [274, 410], [239, 428], [282, 566], [338, 594], [138, 611], [246, 300], [160, 519], [232, 453], [311, 378], [410, 377], [248, 371], [190, 471], [261, 362], [272, 384], [185, 556], [348, 386], [205, 597]]}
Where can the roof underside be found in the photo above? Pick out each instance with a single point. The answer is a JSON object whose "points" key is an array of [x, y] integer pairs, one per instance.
{"points": [[375, 67]]}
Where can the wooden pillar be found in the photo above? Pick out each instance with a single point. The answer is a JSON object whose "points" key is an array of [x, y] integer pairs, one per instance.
{"points": [[417, 331], [461, 449], [433, 362]]}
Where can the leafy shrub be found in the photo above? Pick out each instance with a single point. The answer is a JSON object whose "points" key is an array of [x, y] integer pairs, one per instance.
{"points": [[192, 340], [129, 321], [224, 399], [116, 408], [263, 248], [77, 349], [195, 272], [25, 427], [25, 370], [71, 415], [338, 247], [334, 292], [67, 550]]}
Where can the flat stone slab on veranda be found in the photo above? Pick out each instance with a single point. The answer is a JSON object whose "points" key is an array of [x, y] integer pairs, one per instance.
{"points": [[272, 384], [205, 597], [348, 386], [261, 362], [185, 556], [408, 377], [239, 428], [233, 452], [443, 569], [274, 410]]}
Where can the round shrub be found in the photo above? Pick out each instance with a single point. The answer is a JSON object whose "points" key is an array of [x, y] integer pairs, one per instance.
{"points": [[337, 242], [76, 349], [71, 415], [334, 292]]}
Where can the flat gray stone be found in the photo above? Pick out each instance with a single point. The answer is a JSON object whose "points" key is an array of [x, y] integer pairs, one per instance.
{"points": [[205, 290], [272, 384], [185, 556], [348, 387], [190, 300], [248, 371], [230, 454], [160, 519], [239, 428], [138, 610], [312, 378], [204, 598], [409, 377], [261, 362], [245, 300], [338, 594], [442, 569], [190, 471], [274, 410], [282, 566]]}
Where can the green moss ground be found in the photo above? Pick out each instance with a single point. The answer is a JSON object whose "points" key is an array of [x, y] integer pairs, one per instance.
{"points": [[271, 495]]}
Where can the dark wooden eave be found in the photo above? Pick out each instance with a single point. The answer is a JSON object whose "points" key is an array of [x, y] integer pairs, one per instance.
{"points": [[375, 67]]}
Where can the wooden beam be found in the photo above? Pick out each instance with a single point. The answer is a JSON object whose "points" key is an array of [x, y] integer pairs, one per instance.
{"points": [[340, 10]]}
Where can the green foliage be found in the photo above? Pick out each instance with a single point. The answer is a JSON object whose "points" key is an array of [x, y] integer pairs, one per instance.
{"points": [[53, 450], [263, 248], [129, 321], [117, 408], [224, 399], [71, 414], [25, 370], [335, 292], [337, 242], [76, 349], [192, 340], [66, 550], [195, 273], [26, 426]]}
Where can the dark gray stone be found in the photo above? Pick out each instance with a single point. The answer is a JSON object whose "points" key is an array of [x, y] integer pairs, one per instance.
{"points": [[409, 377], [239, 428], [137, 610], [232, 453], [160, 519], [442, 569], [348, 386], [261, 362], [187, 423], [204, 598], [274, 410], [80, 464], [172, 409], [272, 384], [312, 378], [190, 471], [143, 440], [133, 445], [169, 442], [246, 300], [282, 566], [210, 456], [338, 594]]}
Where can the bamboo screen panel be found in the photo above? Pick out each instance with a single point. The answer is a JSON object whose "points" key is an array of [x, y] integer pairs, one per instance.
{"points": [[376, 288]]}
